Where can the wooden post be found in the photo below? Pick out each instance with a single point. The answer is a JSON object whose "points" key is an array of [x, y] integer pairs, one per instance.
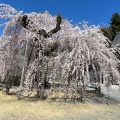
{"points": [[23, 70]]}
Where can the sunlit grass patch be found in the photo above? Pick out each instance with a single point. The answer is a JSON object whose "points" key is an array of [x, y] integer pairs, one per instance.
{"points": [[13, 109]]}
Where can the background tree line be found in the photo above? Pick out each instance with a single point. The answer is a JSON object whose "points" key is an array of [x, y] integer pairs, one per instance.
{"points": [[111, 31]]}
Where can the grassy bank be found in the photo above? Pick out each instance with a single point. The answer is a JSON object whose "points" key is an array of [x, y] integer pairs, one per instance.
{"points": [[13, 109]]}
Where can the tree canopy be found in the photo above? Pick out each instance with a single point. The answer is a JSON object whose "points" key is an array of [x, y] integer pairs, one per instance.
{"points": [[73, 56]]}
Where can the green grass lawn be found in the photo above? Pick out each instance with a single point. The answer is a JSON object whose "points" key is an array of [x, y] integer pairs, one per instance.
{"points": [[13, 109]]}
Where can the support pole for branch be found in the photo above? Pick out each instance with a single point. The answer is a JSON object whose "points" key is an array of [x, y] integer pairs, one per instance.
{"points": [[23, 70]]}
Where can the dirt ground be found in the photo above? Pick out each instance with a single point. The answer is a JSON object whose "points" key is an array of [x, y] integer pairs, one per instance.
{"points": [[34, 109]]}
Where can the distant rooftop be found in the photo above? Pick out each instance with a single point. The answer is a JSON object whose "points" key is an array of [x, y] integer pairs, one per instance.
{"points": [[116, 41]]}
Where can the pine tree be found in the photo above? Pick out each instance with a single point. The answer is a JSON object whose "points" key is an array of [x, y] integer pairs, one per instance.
{"points": [[115, 24], [111, 32]]}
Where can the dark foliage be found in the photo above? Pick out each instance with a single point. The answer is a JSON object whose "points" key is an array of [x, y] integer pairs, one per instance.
{"points": [[111, 32]]}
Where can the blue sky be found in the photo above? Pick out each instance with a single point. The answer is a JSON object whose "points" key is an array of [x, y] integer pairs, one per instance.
{"points": [[94, 11]]}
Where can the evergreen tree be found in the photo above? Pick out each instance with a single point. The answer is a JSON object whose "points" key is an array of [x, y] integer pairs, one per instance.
{"points": [[107, 32], [115, 24], [111, 32]]}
